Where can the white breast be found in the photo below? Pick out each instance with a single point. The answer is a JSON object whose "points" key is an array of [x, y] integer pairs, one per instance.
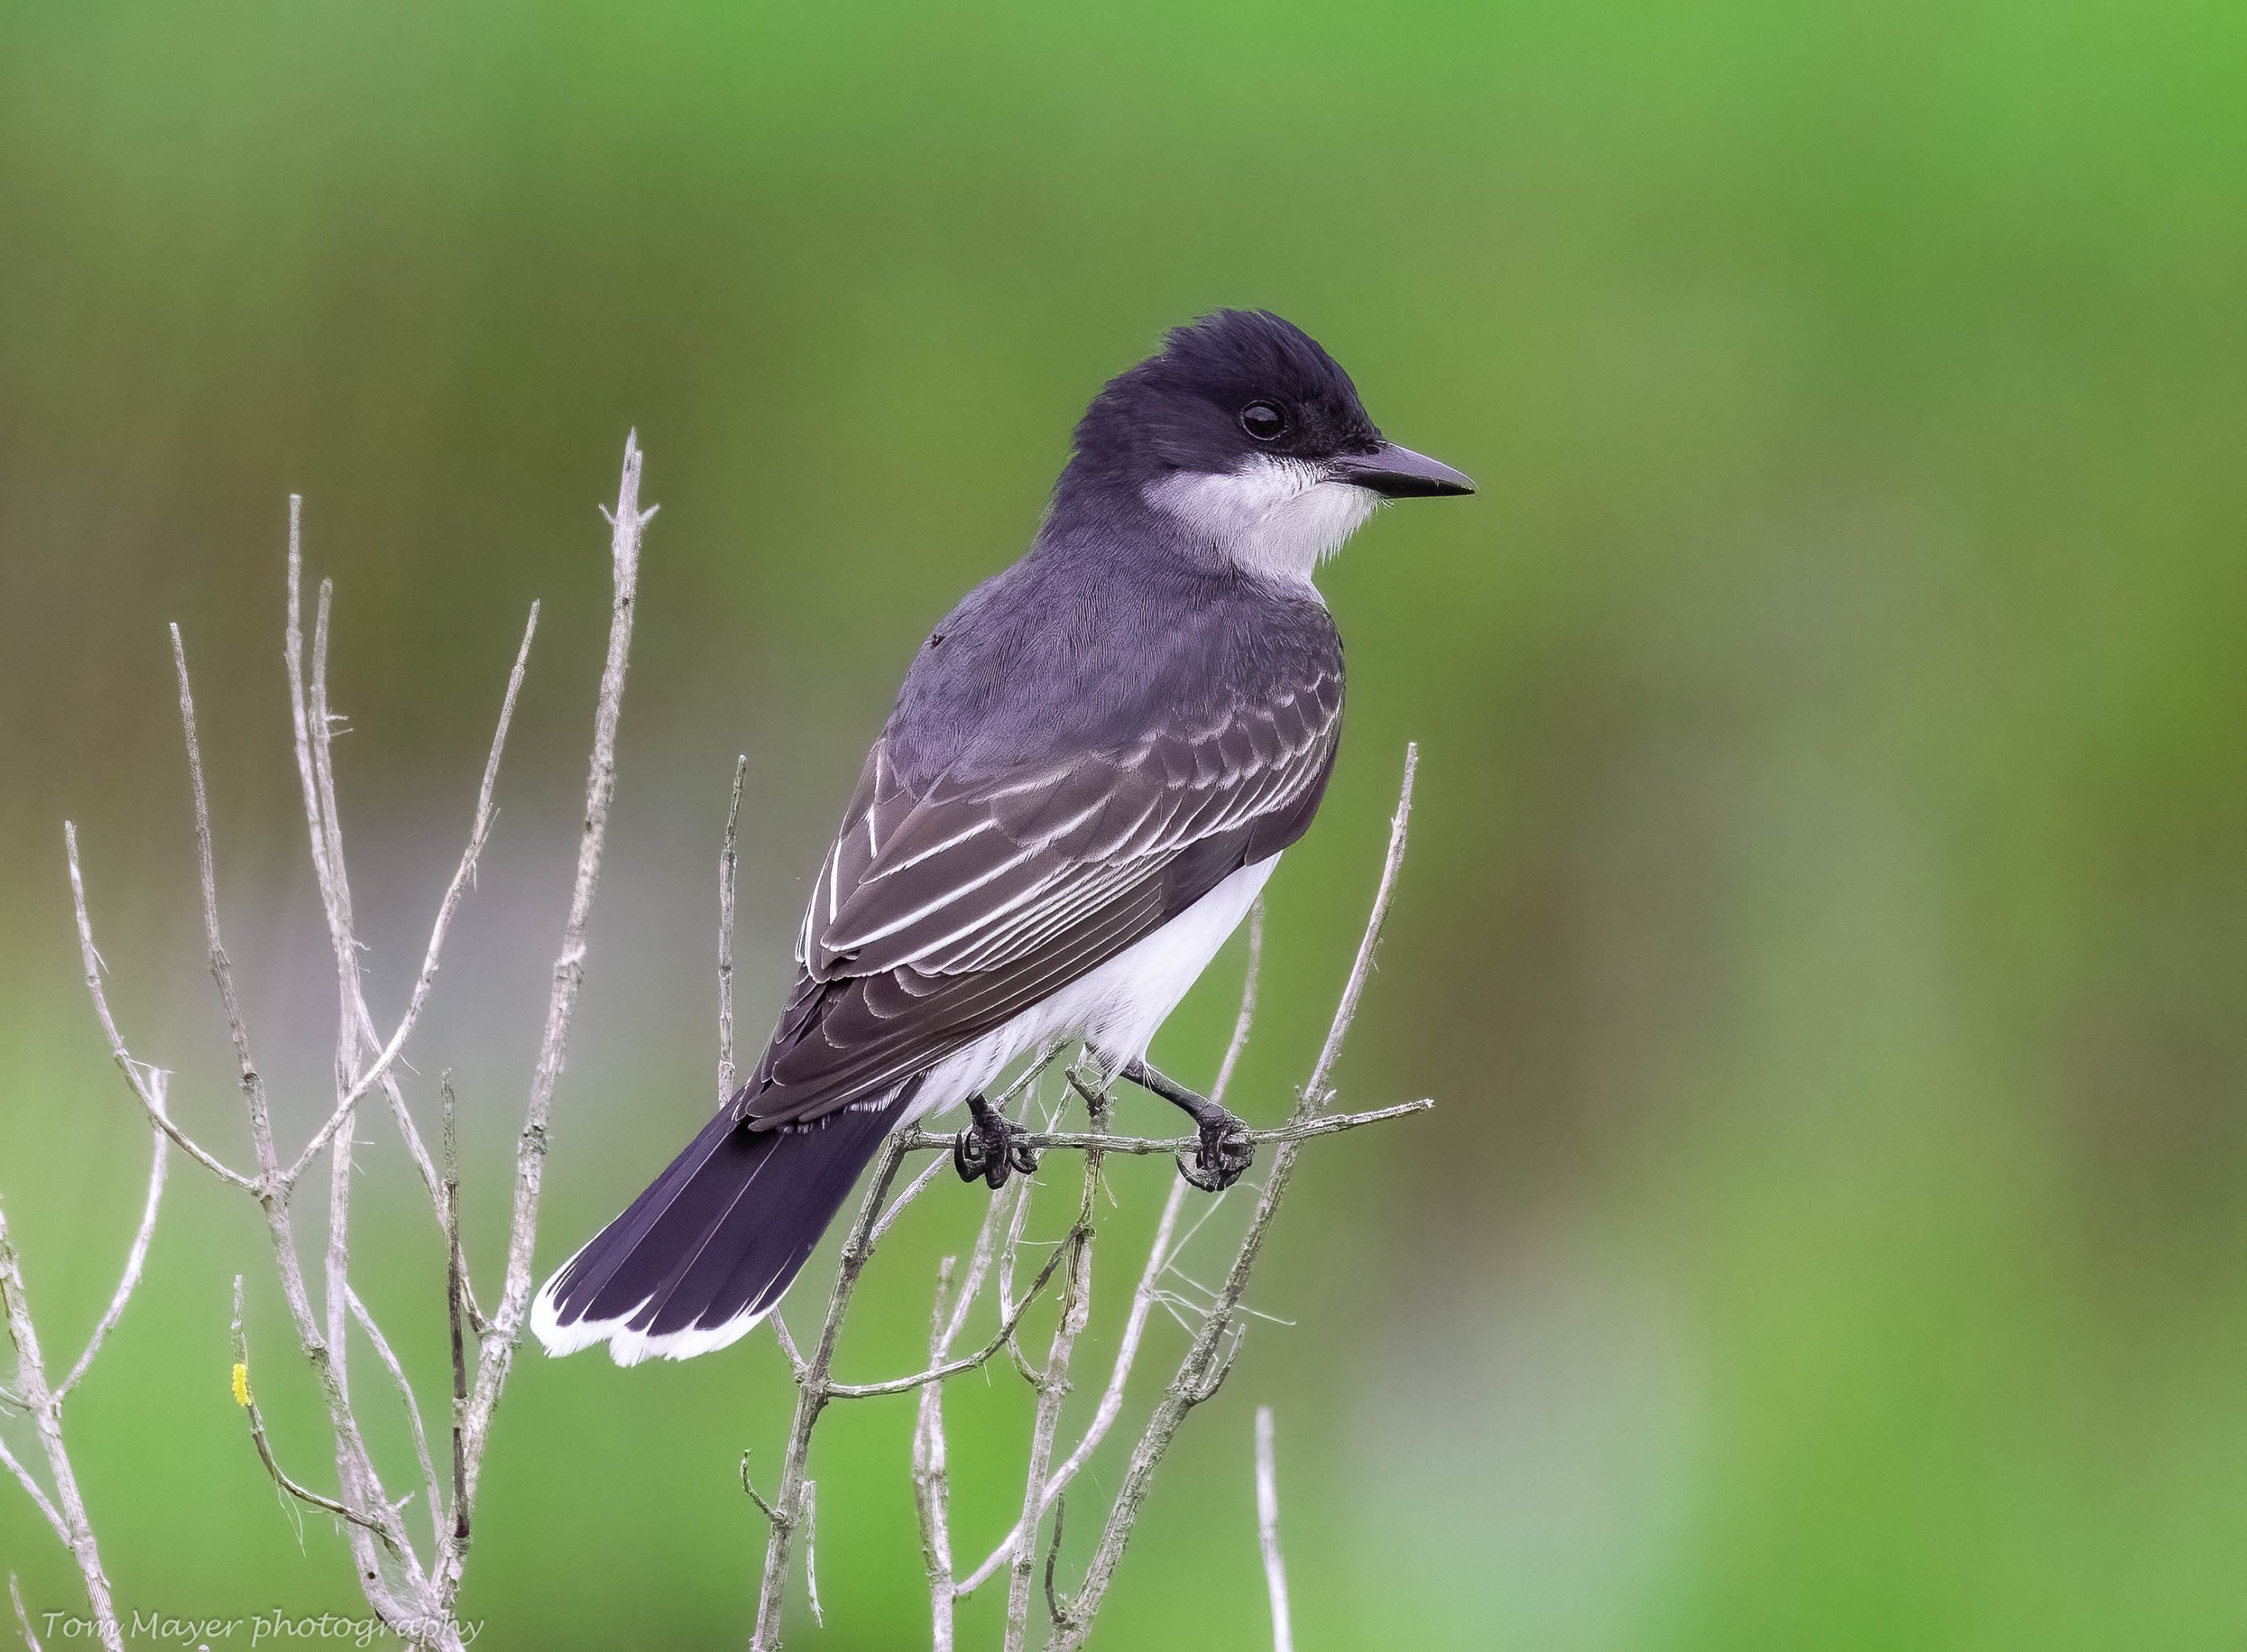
{"points": [[1119, 1007]]}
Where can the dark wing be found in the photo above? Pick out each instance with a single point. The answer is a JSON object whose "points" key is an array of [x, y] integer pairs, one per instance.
{"points": [[939, 917]]}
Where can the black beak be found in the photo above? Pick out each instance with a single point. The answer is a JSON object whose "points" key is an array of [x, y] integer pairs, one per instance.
{"points": [[1399, 473]]}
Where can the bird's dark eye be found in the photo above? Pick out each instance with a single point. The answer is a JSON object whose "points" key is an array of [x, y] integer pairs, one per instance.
{"points": [[1263, 421]]}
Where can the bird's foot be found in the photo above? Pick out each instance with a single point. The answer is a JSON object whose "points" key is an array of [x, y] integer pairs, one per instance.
{"points": [[991, 1146], [1223, 1156]]}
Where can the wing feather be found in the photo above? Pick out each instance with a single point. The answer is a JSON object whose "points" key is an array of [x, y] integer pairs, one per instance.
{"points": [[941, 912]]}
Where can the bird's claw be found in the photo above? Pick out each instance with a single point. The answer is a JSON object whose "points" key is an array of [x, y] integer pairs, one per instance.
{"points": [[1222, 1156], [992, 1147]]}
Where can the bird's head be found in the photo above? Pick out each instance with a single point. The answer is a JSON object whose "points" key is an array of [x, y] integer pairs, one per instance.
{"points": [[1251, 438]]}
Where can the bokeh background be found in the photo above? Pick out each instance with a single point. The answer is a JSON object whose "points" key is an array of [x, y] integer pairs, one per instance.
{"points": [[1824, 926]]}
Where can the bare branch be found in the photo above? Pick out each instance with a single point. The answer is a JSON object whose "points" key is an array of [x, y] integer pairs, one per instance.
{"points": [[355, 1471], [324, 1348], [811, 1553], [391, 1576], [142, 1089], [37, 1494], [914, 1189], [959, 1367], [382, 1351], [998, 1215], [756, 1497], [1052, 1380], [787, 1343], [495, 1350], [1314, 1093], [1244, 1019], [932, 1476], [1267, 1532], [813, 1391], [1054, 1610], [293, 654], [135, 1258], [22, 1618], [463, 876], [65, 1511], [727, 857], [222, 969], [1298, 1130], [1159, 1259], [1111, 1398], [245, 1398], [455, 1308], [329, 866], [1217, 1343], [1010, 1250], [932, 1482]]}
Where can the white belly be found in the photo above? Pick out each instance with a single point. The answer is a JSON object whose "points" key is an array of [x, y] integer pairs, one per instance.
{"points": [[1117, 1007]]}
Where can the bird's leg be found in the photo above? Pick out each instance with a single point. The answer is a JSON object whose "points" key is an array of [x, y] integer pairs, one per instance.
{"points": [[991, 1146], [1226, 1151]]}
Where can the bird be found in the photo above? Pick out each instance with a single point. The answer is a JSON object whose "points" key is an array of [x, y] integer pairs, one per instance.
{"points": [[1093, 765]]}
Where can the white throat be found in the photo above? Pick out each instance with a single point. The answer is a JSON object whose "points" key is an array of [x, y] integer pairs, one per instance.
{"points": [[1278, 518]]}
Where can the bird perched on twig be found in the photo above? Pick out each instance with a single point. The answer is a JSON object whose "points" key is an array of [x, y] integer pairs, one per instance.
{"points": [[1091, 770]]}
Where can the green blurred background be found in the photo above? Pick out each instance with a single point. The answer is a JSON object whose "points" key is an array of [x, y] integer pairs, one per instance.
{"points": [[1824, 926]]}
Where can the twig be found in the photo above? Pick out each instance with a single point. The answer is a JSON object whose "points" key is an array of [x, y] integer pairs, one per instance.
{"points": [[142, 1090], [1297, 1129], [355, 1472], [32, 1489], [253, 1087], [135, 1258], [756, 1497], [1111, 1398], [932, 1481], [1360, 969], [22, 1618], [727, 857], [495, 1349], [65, 1511], [810, 1550], [1010, 1249], [316, 783], [455, 1292], [1003, 1275], [382, 1351], [1267, 1532], [1217, 1343], [246, 1398], [931, 1474], [959, 1367], [1055, 1610], [812, 1393], [463, 876], [914, 1189], [1245, 1017], [1052, 1381], [787, 1343], [270, 1188], [816, 1387], [1158, 1258]]}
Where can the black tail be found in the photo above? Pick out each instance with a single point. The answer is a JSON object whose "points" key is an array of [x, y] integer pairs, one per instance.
{"points": [[715, 1240]]}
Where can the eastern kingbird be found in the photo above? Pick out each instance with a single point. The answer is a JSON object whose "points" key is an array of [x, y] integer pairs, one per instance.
{"points": [[1091, 769]]}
